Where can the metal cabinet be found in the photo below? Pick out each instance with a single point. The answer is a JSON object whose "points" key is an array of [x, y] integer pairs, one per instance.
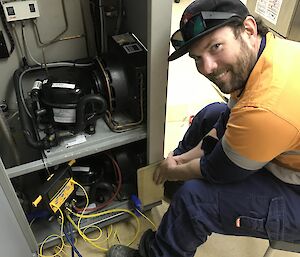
{"points": [[17, 237], [282, 16]]}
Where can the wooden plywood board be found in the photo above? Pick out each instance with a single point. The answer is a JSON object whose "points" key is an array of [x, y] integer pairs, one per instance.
{"points": [[148, 191]]}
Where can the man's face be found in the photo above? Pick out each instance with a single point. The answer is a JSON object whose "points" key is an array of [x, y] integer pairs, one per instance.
{"points": [[224, 59]]}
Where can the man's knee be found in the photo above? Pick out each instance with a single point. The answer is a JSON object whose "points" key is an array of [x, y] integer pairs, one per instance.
{"points": [[210, 113], [202, 123], [196, 190]]}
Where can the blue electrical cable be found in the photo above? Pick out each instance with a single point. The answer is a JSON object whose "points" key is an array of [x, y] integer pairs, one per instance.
{"points": [[70, 240]]}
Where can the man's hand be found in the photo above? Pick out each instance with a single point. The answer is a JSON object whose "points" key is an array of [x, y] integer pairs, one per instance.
{"points": [[182, 167], [174, 168], [165, 170]]}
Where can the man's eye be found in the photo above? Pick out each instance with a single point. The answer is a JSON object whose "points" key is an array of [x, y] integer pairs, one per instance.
{"points": [[216, 46]]}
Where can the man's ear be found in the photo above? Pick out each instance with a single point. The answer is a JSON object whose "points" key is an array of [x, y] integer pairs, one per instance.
{"points": [[250, 26]]}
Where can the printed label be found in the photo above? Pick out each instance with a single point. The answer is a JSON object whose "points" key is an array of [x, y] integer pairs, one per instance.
{"points": [[75, 141], [64, 85], [268, 9], [81, 168], [64, 115], [132, 48]]}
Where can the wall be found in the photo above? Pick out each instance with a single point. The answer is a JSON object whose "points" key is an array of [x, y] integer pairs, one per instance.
{"points": [[188, 90]]}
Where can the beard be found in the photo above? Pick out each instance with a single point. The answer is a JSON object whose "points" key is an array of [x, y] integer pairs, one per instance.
{"points": [[238, 71]]}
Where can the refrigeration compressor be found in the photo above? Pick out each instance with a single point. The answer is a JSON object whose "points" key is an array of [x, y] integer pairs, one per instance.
{"points": [[66, 98]]}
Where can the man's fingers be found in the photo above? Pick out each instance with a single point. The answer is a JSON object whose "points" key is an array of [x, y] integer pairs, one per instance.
{"points": [[161, 181], [156, 175]]}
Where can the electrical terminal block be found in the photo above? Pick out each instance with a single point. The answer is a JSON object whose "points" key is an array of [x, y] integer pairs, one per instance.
{"points": [[20, 10]]}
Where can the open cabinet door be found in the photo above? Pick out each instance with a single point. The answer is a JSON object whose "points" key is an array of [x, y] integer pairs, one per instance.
{"points": [[159, 29], [16, 236]]}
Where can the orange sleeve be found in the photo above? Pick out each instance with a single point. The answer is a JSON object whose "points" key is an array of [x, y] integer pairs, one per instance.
{"points": [[258, 134]]}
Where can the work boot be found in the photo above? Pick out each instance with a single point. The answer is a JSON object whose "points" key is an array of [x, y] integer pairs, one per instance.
{"points": [[146, 242], [122, 251], [125, 251]]}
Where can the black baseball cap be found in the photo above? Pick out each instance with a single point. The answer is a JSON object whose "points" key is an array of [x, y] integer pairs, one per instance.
{"points": [[202, 17]]}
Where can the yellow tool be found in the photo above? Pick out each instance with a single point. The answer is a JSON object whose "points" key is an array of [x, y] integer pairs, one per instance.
{"points": [[57, 189]]}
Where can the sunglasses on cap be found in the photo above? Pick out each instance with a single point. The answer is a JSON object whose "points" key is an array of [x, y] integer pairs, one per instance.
{"points": [[196, 25]]}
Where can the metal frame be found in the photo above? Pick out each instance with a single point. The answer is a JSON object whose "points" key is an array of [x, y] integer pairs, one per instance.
{"points": [[17, 238]]}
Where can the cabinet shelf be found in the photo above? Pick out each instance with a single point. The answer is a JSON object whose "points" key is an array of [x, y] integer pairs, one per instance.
{"points": [[42, 229], [104, 139]]}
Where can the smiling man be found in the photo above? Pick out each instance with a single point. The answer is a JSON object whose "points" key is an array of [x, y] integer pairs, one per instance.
{"points": [[238, 165], [225, 58]]}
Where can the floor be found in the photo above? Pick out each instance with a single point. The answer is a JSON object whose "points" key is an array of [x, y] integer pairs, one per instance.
{"points": [[195, 92]]}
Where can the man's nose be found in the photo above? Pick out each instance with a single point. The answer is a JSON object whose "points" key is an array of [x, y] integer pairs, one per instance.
{"points": [[208, 66]]}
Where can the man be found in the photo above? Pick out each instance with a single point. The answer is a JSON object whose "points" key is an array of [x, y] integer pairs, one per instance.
{"points": [[241, 163]]}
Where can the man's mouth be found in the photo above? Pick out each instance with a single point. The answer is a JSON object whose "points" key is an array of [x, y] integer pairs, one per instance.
{"points": [[220, 75]]}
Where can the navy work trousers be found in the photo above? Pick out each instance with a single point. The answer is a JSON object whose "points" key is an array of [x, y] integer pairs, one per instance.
{"points": [[260, 206]]}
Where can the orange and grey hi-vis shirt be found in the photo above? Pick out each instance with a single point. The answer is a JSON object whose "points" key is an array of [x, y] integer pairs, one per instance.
{"points": [[264, 123]]}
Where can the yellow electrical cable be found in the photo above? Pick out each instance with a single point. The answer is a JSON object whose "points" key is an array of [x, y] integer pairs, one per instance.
{"points": [[95, 239], [54, 235], [46, 239], [145, 217], [104, 213], [56, 247], [82, 215], [83, 235], [108, 235], [99, 229]]}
